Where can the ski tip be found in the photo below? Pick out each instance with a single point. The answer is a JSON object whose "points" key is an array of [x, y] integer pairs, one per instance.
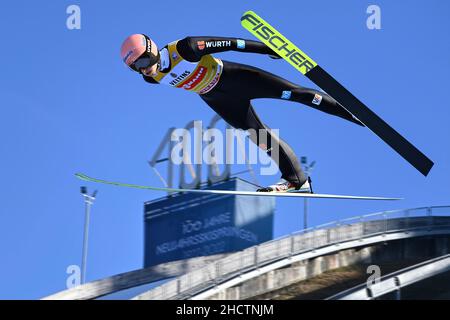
{"points": [[82, 176], [247, 13]]}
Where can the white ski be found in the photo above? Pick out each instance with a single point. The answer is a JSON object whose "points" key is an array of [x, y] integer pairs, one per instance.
{"points": [[237, 193]]}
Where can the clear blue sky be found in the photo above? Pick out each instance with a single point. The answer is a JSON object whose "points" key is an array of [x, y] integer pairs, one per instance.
{"points": [[70, 105]]}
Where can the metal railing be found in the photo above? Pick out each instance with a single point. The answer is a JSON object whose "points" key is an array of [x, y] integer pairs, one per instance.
{"points": [[397, 280], [355, 228]]}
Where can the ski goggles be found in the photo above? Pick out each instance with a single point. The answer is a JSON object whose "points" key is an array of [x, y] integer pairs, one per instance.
{"points": [[144, 61]]}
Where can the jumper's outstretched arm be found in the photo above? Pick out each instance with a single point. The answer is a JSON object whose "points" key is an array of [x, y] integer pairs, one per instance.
{"points": [[194, 48]]}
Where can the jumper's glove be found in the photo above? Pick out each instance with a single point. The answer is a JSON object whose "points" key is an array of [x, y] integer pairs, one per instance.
{"points": [[274, 56]]}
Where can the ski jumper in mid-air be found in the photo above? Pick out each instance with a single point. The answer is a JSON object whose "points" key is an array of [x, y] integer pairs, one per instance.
{"points": [[228, 88]]}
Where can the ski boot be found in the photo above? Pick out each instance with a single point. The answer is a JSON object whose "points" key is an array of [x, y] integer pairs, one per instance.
{"points": [[286, 186]]}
